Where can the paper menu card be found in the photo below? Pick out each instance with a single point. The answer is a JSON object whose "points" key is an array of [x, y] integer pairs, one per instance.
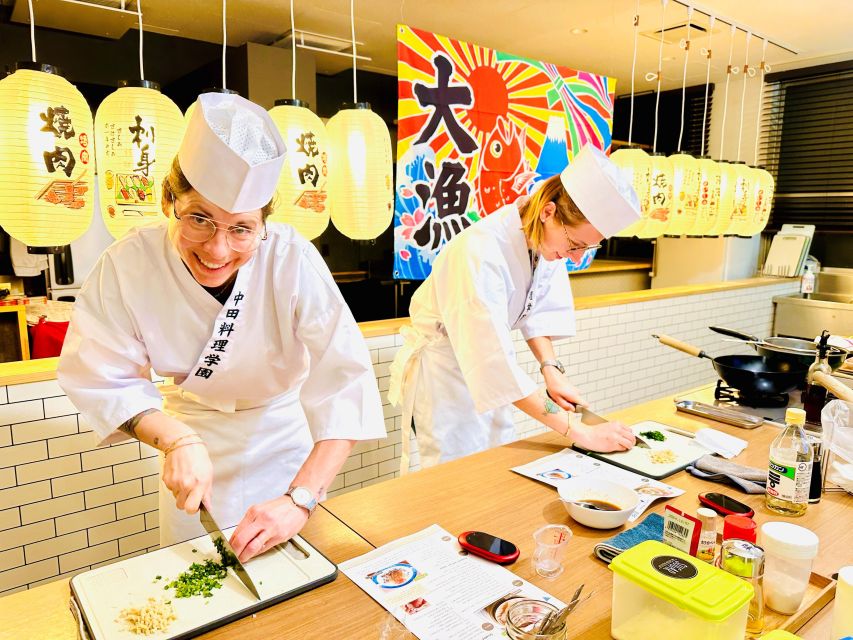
{"points": [[571, 464], [438, 590]]}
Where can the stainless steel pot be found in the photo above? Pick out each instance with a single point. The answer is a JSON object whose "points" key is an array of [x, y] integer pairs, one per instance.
{"points": [[793, 350]]}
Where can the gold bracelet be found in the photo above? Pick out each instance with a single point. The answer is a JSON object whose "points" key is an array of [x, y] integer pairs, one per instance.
{"points": [[177, 440], [185, 444]]}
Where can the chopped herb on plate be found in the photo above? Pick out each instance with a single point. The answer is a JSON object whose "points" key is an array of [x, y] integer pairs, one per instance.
{"points": [[653, 435]]}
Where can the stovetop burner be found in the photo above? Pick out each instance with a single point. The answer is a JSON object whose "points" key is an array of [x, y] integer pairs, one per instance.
{"points": [[773, 400]]}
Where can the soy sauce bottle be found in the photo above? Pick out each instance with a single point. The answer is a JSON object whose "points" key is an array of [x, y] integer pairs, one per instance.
{"points": [[814, 398]]}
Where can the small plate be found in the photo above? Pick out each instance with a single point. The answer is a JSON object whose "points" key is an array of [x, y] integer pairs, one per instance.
{"points": [[395, 576]]}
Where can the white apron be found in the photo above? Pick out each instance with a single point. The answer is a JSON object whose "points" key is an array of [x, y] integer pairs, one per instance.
{"points": [[456, 374]]}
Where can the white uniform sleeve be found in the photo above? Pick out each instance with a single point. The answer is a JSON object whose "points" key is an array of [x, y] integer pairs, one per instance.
{"points": [[340, 396], [553, 313], [104, 367], [472, 294]]}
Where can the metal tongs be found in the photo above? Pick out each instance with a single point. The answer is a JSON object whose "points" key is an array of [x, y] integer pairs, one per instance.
{"points": [[552, 622]]}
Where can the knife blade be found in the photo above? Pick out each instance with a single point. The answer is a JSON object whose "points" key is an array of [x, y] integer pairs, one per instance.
{"points": [[215, 534], [592, 418]]}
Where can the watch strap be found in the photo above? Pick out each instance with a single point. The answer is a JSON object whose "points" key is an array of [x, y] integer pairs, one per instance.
{"points": [[308, 506], [552, 363]]}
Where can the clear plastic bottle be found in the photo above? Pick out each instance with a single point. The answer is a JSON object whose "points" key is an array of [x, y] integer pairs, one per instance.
{"points": [[790, 467], [708, 537], [807, 283]]}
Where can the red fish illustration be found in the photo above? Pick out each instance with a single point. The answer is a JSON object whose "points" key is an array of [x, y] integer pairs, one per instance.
{"points": [[503, 174]]}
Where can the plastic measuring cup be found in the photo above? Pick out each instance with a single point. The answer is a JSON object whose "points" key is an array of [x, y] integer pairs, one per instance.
{"points": [[551, 542]]}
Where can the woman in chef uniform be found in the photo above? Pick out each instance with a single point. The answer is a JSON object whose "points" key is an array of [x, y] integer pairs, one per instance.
{"points": [[274, 383], [457, 373]]}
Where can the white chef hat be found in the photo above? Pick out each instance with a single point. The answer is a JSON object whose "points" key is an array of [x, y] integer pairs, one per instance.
{"points": [[602, 191], [232, 153]]}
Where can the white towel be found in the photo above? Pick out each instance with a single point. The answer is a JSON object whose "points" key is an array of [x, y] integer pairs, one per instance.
{"points": [[26, 265], [720, 443]]}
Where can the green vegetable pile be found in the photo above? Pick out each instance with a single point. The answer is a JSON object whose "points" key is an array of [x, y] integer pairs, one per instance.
{"points": [[653, 435], [202, 578]]}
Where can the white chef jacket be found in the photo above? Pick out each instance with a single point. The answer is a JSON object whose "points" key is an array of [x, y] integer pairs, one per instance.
{"points": [[457, 372], [281, 365]]}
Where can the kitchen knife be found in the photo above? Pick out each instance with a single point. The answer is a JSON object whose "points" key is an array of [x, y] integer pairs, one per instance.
{"points": [[215, 534], [592, 418]]}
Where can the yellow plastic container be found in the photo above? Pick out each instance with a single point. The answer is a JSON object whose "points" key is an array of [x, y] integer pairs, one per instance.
{"points": [[778, 634], [661, 593]]}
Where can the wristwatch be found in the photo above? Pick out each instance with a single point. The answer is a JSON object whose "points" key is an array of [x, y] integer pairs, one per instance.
{"points": [[303, 497], [552, 363]]}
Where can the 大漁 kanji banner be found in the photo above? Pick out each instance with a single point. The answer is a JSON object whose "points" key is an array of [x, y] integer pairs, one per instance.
{"points": [[477, 129]]}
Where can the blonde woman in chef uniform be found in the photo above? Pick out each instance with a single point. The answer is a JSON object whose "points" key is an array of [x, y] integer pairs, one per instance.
{"points": [[273, 379], [457, 373]]}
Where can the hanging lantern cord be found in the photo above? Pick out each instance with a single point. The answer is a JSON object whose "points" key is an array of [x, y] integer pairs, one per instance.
{"points": [[729, 71], [32, 29], [685, 44], [352, 29], [650, 76], [747, 72], [139, 17], [763, 68], [293, 43], [224, 41], [633, 69], [707, 54]]}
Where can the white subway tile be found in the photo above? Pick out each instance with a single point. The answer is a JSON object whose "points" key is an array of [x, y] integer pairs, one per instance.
{"points": [[60, 406], [387, 354], [351, 463], [389, 466], [34, 390], [97, 565], [113, 493], [360, 475], [88, 556], [149, 538], [22, 536], [374, 356], [85, 519], [60, 576], [44, 429], [136, 469], [381, 369], [151, 484], [380, 342], [28, 573], [384, 478], [11, 559], [135, 506], [3, 395], [106, 456], [67, 445], [364, 445], [147, 451], [82, 481], [55, 546], [21, 412], [10, 518], [152, 520], [47, 469], [7, 478], [116, 530], [379, 455], [18, 496], [5, 436], [51, 508]]}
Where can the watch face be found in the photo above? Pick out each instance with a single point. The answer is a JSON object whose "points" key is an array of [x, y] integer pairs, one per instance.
{"points": [[301, 496]]}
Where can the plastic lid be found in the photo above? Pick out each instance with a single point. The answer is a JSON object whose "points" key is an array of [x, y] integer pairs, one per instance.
{"points": [[789, 540], [845, 576], [739, 527], [706, 514], [690, 584], [795, 416]]}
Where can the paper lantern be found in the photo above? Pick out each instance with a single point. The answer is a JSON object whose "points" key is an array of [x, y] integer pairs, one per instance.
{"points": [[302, 194], [741, 219], [709, 192], [760, 200], [46, 164], [726, 200], [656, 215], [360, 184], [637, 164], [685, 194], [137, 134]]}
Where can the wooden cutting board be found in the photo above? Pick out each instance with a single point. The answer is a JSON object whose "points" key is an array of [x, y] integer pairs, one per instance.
{"points": [[281, 573]]}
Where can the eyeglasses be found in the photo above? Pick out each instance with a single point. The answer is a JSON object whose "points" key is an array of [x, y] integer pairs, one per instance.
{"points": [[583, 248], [197, 228]]}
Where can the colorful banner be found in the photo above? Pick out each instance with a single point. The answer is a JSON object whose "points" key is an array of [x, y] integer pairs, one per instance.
{"points": [[477, 129]]}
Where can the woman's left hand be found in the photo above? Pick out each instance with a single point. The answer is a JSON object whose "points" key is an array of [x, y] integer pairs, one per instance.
{"points": [[565, 395], [266, 525]]}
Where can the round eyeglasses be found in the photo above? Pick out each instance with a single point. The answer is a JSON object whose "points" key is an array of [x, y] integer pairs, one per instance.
{"points": [[575, 248], [196, 228]]}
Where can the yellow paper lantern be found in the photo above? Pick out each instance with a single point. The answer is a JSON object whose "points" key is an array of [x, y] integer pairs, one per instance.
{"points": [[360, 183], [685, 194], [726, 199], [47, 163], [302, 185], [637, 164], [762, 187], [656, 215], [741, 219], [137, 131], [709, 193]]}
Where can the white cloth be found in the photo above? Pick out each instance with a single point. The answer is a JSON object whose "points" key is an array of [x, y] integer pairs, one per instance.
{"points": [[457, 369], [24, 263], [294, 370]]}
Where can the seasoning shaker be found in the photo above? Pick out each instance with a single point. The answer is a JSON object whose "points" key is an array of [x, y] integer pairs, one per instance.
{"points": [[708, 536], [746, 560]]}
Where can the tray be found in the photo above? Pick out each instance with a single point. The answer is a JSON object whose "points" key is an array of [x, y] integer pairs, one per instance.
{"points": [[281, 573], [720, 414], [819, 593]]}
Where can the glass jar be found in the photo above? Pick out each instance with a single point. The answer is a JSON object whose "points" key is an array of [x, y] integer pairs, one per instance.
{"points": [[524, 618]]}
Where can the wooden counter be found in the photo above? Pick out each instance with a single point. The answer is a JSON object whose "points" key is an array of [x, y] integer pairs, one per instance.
{"points": [[481, 493]]}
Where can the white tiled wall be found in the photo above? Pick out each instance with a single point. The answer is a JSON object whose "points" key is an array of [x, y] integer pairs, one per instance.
{"points": [[66, 507]]}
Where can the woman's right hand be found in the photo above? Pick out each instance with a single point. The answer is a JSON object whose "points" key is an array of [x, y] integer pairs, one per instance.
{"points": [[188, 474], [604, 438]]}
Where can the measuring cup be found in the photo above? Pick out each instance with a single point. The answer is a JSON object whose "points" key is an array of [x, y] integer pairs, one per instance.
{"points": [[551, 542]]}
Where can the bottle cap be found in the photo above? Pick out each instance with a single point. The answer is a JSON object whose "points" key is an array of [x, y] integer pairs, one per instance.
{"points": [[706, 514], [739, 527], [742, 559], [789, 540], [795, 416]]}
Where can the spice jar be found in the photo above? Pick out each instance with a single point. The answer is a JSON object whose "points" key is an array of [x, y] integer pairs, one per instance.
{"points": [[524, 618], [746, 560], [790, 551]]}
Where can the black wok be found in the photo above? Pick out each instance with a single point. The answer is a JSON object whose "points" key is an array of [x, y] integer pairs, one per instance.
{"points": [[797, 352], [752, 375]]}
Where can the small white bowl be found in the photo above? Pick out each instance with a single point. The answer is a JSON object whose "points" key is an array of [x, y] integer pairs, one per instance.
{"points": [[596, 489]]}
